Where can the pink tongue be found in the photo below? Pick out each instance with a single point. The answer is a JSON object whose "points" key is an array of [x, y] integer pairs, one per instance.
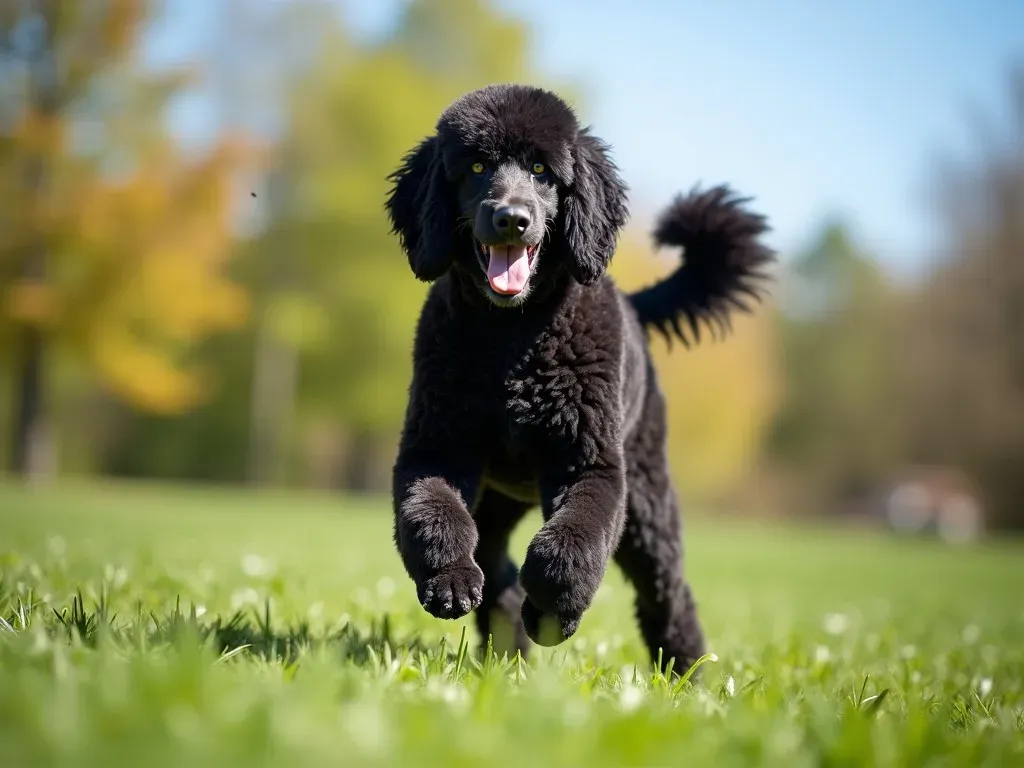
{"points": [[508, 268]]}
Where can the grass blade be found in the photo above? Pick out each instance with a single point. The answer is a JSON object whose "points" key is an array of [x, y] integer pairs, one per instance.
{"points": [[232, 653], [872, 703], [684, 679]]}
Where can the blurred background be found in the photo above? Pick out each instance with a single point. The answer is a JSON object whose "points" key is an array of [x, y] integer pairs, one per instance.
{"points": [[197, 283]]}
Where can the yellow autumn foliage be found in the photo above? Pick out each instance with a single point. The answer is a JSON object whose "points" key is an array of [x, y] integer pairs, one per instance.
{"points": [[135, 265], [168, 289], [721, 394]]}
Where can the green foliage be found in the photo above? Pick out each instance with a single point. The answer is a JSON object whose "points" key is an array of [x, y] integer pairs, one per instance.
{"points": [[156, 627], [349, 128], [839, 418]]}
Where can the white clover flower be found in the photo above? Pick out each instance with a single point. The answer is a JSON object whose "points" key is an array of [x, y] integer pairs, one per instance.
{"points": [[971, 634], [836, 623], [452, 694], [385, 588], [630, 697], [116, 577], [256, 567], [57, 546]]}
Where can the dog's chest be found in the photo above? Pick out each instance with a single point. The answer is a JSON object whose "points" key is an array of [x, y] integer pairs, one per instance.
{"points": [[540, 390], [522, 439], [541, 396], [542, 408]]}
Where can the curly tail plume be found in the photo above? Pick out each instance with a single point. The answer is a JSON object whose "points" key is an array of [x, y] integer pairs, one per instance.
{"points": [[724, 265]]}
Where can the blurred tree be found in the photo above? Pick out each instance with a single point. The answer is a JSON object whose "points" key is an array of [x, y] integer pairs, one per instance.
{"points": [[349, 303], [30, 35], [324, 369], [255, 56], [721, 394], [115, 245], [838, 429], [262, 55], [966, 327]]}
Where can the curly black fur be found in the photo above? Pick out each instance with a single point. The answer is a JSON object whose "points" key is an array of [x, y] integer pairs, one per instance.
{"points": [[543, 392]]}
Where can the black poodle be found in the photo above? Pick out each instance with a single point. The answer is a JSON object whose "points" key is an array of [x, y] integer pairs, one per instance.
{"points": [[532, 381]]}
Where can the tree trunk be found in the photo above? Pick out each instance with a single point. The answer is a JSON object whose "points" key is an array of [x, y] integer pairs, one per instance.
{"points": [[29, 448], [276, 366], [273, 395], [28, 444], [364, 471], [29, 440]]}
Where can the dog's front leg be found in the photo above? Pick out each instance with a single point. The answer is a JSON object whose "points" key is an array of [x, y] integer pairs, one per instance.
{"points": [[435, 534], [585, 513]]}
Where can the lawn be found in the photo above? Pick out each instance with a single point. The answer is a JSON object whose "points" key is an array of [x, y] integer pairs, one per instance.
{"points": [[221, 627]]}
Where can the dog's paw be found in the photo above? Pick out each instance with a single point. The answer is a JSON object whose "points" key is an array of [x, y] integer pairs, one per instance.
{"points": [[453, 592], [547, 628], [560, 576]]}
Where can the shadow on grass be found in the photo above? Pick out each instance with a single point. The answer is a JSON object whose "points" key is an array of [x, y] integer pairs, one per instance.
{"points": [[253, 635], [252, 631]]}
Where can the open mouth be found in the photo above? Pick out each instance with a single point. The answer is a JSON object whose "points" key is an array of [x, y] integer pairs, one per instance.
{"points": [[508, 267]]}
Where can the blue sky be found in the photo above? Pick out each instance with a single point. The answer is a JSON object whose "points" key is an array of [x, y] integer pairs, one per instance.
{"points": [[813, 108]]}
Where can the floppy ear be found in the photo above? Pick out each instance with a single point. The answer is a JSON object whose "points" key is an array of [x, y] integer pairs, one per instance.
{"points": [[422, 211], [595, 209]]}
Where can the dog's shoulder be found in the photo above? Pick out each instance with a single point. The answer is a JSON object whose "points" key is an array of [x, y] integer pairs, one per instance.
{"points": [[445, 355]]}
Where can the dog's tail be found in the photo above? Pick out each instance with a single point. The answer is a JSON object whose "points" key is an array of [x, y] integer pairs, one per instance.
{"points": [[724, 265]]}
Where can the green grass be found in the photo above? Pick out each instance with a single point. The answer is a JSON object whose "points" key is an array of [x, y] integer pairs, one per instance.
{"points": [[298, 641]]}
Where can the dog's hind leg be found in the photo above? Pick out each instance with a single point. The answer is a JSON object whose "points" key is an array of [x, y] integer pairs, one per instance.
{"points": [[650, 552], [499, 613], [650, 555]]}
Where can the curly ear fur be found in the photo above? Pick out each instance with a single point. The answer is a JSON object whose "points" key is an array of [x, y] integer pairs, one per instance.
{"points": [[594, 209], [422, 211]]}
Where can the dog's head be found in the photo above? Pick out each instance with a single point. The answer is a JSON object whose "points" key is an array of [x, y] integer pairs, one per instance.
{"points": [[510, 191]]}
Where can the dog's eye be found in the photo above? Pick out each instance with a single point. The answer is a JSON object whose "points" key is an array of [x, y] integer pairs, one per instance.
{"points": [[538, 168], [478, 168]]}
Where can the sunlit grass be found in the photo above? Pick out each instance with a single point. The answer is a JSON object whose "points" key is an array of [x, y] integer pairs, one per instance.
{"points": [[158, 626]]}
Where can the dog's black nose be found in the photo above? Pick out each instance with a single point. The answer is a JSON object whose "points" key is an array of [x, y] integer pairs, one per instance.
{"points": [[511, 220]]}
